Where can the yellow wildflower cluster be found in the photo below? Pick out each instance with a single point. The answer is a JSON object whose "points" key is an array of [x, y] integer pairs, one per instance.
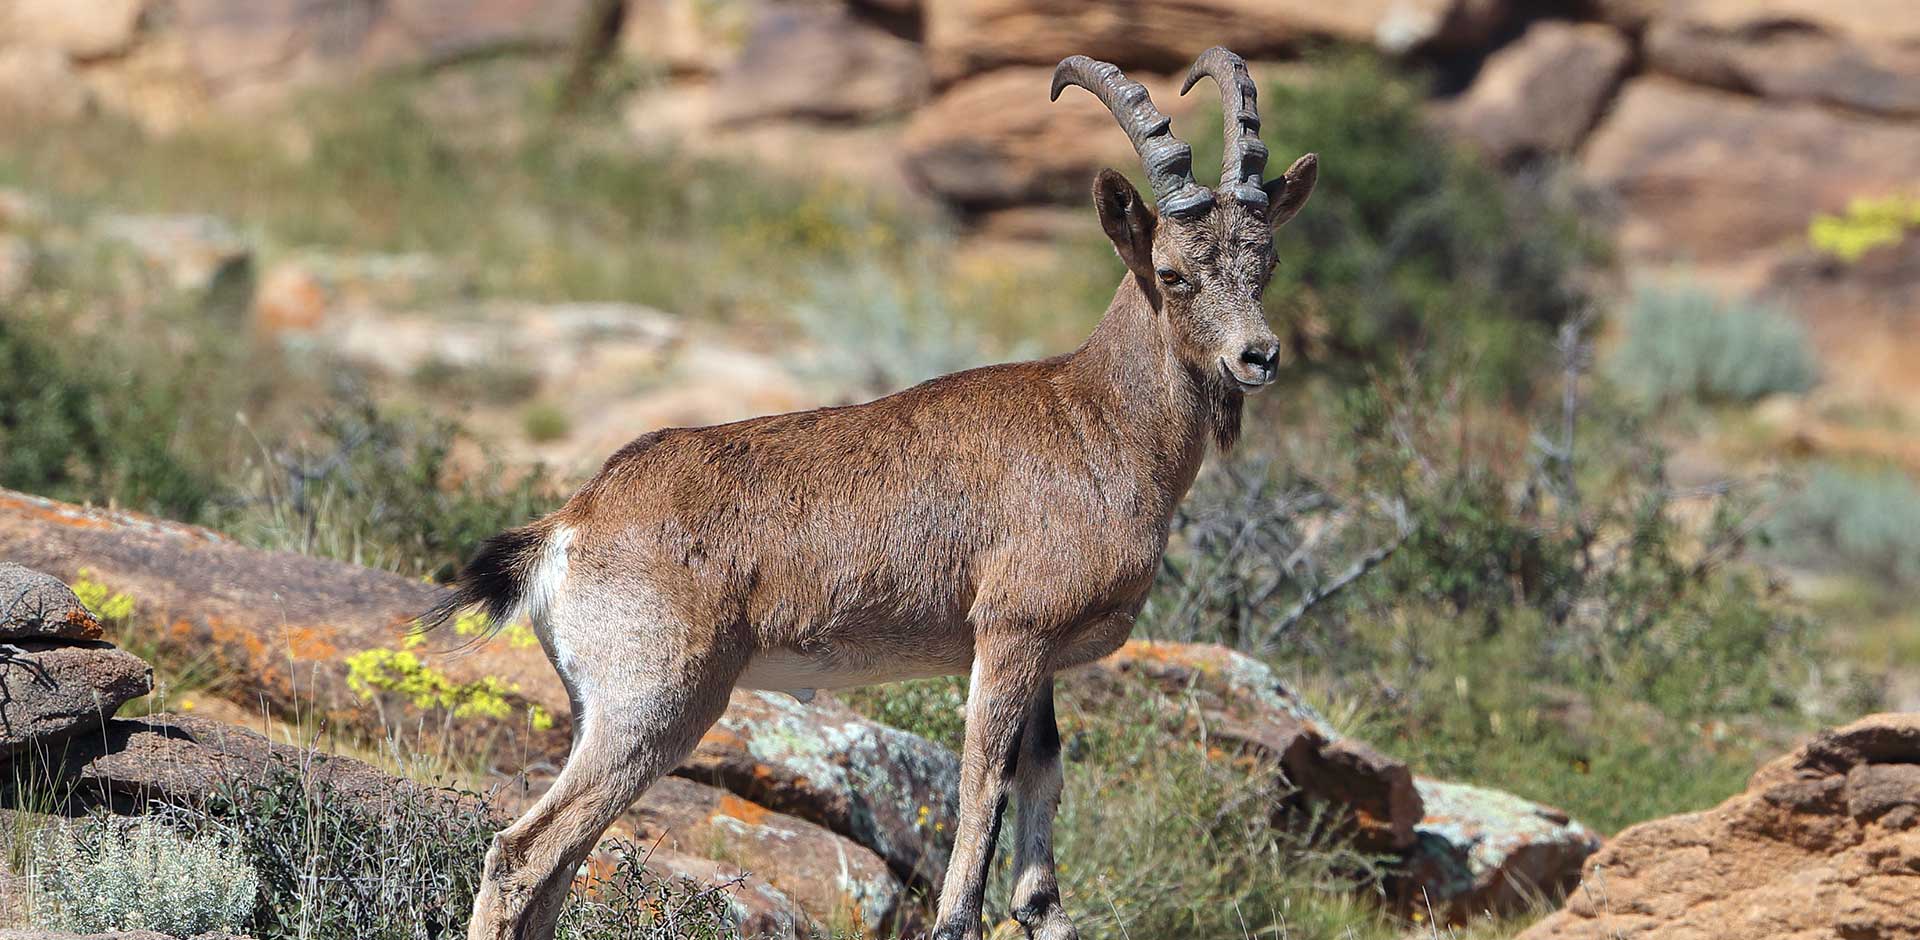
{"points": [[106, 603], [1867, 224], [370, 672]]}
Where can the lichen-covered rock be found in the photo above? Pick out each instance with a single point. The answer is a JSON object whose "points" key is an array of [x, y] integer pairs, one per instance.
{"points": [[884, 788], [830, 877], [1238, 700], [52, 690], [285, 625], [41, 606], [1480, 850], [1823, 845]]}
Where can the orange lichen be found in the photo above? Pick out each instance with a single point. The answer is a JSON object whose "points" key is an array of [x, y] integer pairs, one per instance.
{"points": [[311, 643], [753, 814]]}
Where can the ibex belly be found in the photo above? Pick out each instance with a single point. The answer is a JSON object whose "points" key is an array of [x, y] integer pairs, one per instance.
{"points": [[799, 672]]}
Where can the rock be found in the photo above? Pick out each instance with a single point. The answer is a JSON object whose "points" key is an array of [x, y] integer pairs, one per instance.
{"points": [[831, 878], [1542, 93], [194, 253], [1238, 700], [183, 760], [50, 691], [996, 140], [88, 30], [1861, 55], [888, 790], [41, 606], [1821, 846], [284, 625], [967, 37], [689, 37], [1708, 177], [1481, 850], [290, 299], [820, 63], [38, 84], [760, 909]]}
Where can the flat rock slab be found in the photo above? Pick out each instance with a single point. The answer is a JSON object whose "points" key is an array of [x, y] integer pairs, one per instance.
{"points": [[40, 606], [1240, 701], [51, 690], [184, 760]]}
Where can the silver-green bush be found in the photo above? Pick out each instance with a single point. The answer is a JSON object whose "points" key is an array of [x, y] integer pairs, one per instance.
{"points": [[1863, 520], [108, 874], [1685, 341]]}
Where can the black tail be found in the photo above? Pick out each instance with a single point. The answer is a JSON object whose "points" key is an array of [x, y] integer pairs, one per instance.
{"points": [[494, 581]]}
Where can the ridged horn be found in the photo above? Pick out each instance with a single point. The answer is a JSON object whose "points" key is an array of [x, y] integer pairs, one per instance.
{"points": [[1244, 161], [1168, 159]]}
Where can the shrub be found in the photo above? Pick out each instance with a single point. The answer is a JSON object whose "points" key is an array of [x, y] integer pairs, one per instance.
{"points": [[544, 422], [631, 903], [1865, 521], [330, 867], [106, 874], [1867, 224], [1684, 341]]}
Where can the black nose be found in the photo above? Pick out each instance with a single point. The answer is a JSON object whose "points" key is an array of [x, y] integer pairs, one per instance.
{"points": [[1262, 356]]}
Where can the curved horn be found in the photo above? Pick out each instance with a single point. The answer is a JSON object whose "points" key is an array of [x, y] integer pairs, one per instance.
{"points": [[1168, 159], [1245, 160]]}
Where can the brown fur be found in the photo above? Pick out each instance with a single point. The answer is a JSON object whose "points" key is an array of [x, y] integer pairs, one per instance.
{"points": [[1006, 521]]}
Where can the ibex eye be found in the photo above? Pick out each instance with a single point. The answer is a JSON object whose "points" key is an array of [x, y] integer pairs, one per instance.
{"points": [[1170, 277]]}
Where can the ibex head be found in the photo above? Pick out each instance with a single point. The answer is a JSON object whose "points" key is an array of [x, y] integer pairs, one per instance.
{"points": [[1206, 255]]}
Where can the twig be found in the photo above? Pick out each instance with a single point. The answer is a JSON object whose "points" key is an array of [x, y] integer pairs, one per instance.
{"points": [[1320, 593]]}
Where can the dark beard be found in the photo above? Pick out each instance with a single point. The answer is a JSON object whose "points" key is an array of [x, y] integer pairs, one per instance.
{"points": [[1224, 413]]}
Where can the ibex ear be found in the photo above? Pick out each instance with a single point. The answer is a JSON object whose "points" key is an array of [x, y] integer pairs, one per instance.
{"points": [[1287, 192], [1127, 221]]}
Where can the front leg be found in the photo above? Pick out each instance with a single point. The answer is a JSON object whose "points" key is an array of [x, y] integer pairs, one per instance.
{"points": [[1008, 670], [1036, 789]]}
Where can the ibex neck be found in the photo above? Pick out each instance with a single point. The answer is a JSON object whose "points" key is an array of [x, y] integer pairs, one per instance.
{"points": [[1128, 366]]}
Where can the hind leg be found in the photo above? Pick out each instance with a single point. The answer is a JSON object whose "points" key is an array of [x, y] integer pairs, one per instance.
{"points": [[646, 696]]}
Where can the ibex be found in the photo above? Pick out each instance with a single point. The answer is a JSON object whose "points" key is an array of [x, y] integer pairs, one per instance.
{"points": [[1004, 523]]}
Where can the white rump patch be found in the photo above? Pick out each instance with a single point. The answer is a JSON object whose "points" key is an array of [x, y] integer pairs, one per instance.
{"points": [[543, 583]]}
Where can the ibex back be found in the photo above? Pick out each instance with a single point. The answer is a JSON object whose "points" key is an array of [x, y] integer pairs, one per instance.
{"points": [[1003, 522]]}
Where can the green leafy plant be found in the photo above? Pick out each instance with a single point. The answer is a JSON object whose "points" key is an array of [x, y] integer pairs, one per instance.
{"points": [[1853, 519]]}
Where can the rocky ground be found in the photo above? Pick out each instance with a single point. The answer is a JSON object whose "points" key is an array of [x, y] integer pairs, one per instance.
{"points": [[776, 787]]}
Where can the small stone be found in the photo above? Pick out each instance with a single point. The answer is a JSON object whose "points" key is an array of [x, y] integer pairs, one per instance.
{"points": [[49, 692], [40, 606]]}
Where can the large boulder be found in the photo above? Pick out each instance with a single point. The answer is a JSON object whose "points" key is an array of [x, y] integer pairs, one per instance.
{"points": [[1239, 701], [1709, 177], [1542, 93], [830, 877], [288, 625], [995, 140], [1861, 55], [88, 30], [41, 606], [820, 63], [52, 690], [1823, 845], [1480, 850], [965, 37], [884, 788]]}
